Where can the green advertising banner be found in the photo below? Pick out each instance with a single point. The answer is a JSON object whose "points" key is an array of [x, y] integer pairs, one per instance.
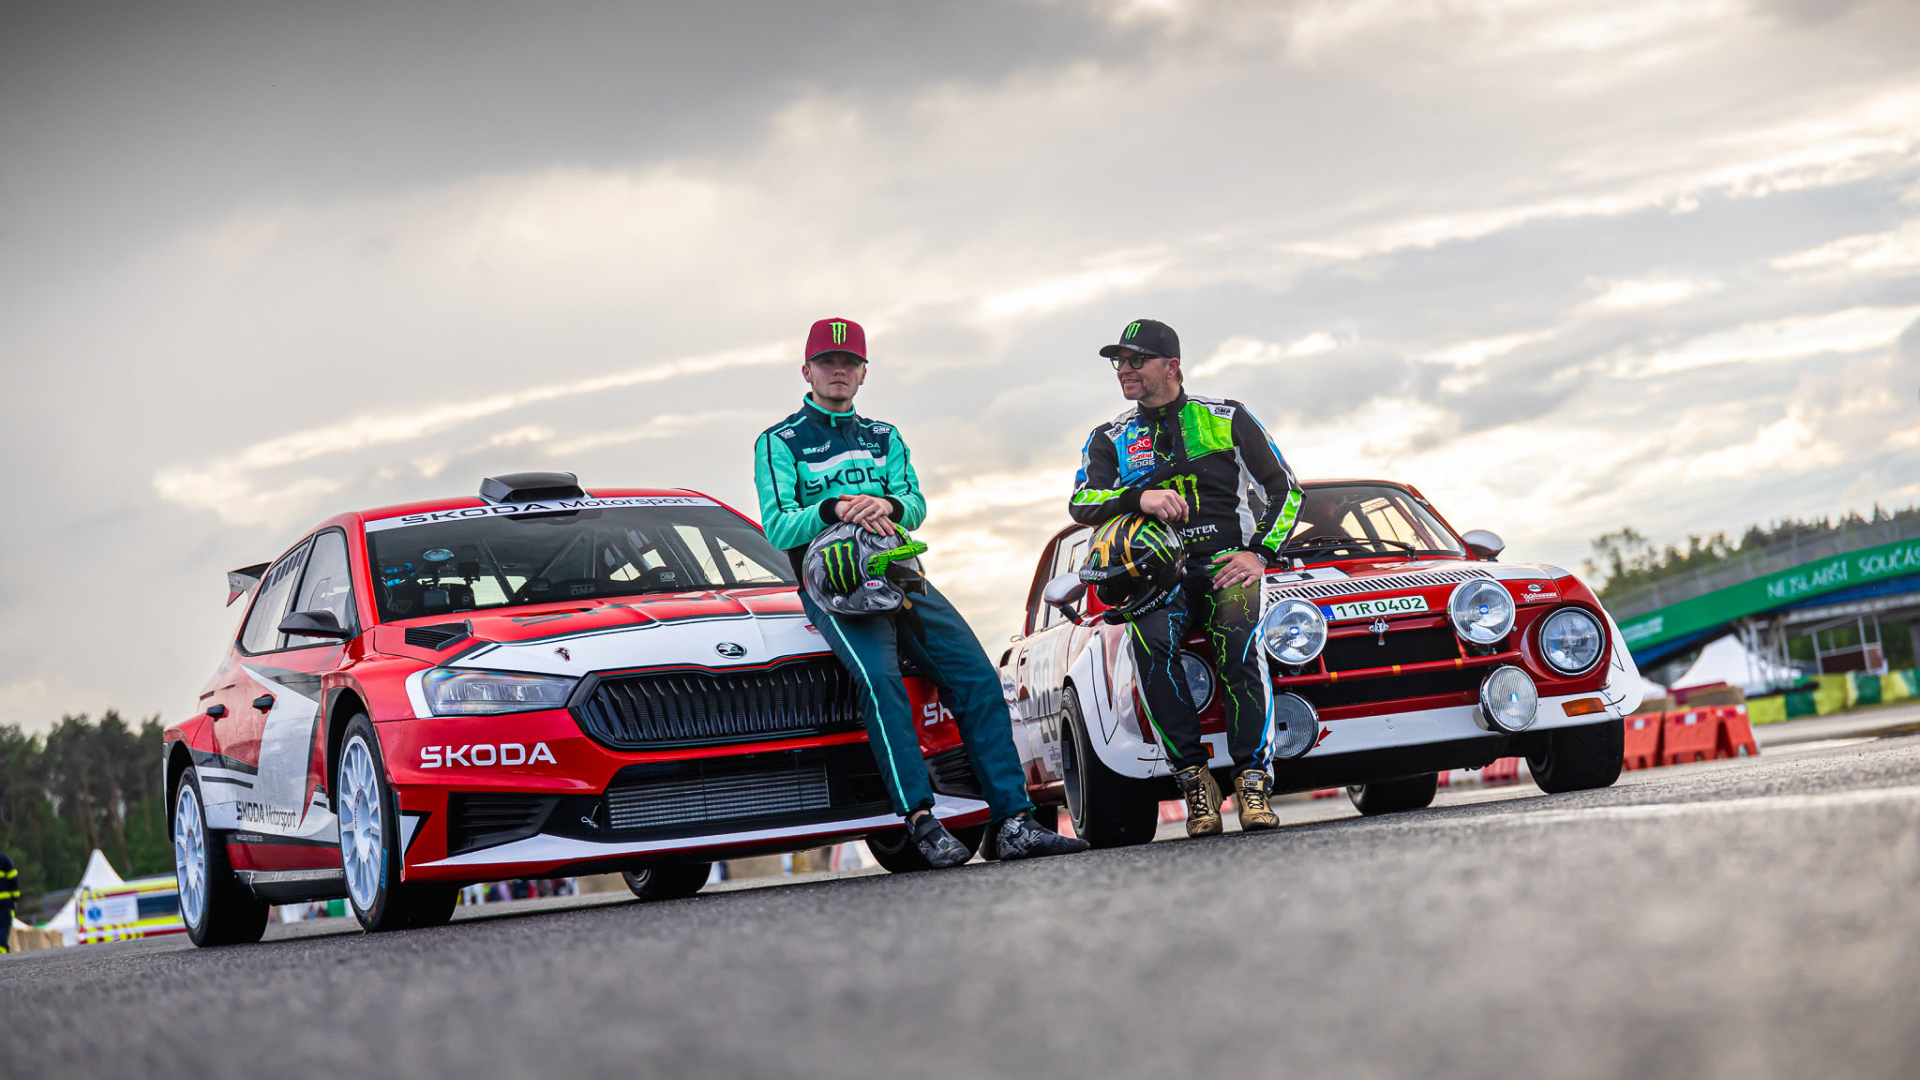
{"points": [[1772, 591]]}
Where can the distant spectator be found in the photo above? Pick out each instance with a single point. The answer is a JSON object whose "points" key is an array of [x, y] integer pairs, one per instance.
{"points": [[9, 895]]}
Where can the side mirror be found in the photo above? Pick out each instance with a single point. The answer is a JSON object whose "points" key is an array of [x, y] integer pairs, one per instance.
{"points": [[314, 624], [1484, 545], [1063, 592]]}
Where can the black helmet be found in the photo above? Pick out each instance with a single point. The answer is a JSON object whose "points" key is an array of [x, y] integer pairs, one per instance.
{"points": [[1134, 566], [851, 571]]}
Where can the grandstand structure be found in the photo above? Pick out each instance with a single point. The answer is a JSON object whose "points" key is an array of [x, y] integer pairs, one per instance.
{"points": [[1853, 577]]}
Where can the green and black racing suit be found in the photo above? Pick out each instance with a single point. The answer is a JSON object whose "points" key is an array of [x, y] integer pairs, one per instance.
{"points": [[1240, 496]]}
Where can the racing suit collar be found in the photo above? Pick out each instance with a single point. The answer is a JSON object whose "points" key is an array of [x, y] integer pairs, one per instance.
{"points": [[826, 416], [1171, 408]]}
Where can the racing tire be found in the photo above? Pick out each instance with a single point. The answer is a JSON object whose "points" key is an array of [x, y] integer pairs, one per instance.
{"points": [[216, 908], [1394, 796], [896, 852], [1107, 809], [1579, 758], [370, 852], [667, 882]]}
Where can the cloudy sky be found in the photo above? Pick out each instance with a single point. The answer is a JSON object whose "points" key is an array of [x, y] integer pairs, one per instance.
{"points": [[1566, 266]]}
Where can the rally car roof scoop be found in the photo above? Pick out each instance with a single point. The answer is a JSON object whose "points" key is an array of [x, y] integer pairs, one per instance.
{"points": [[525, 487], [241, 582]]}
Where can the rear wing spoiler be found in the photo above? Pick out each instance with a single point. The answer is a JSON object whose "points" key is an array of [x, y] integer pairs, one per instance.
{"points": [[242, 581]]}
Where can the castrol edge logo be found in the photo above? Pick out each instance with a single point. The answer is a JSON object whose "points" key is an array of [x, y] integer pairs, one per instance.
{"points": [[481, 755]]}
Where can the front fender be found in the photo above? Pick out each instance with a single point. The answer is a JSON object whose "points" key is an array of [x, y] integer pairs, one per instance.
{"points": [[1107, 704]]}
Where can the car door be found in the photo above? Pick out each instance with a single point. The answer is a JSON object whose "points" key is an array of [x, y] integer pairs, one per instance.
{"points": [[277, 727], [1045, 656]]}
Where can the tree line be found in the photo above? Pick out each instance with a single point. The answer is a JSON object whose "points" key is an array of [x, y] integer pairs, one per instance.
{"points": [[1629, 560], [80, 786]]}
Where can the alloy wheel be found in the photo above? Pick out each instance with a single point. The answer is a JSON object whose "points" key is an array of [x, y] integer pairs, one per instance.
{"points": [[363, 850], [190, 855]]}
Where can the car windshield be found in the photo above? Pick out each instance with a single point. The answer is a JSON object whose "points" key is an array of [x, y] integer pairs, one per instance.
{"points": [[1367, 519], [437, 564]]}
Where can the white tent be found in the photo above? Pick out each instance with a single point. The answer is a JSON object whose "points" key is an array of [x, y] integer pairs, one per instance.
{"points": [[1728, 661], [99, 875]]}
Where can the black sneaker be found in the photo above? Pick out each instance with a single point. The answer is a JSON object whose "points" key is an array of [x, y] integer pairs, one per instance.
{"points": [[1021, 837], [936, 844]]}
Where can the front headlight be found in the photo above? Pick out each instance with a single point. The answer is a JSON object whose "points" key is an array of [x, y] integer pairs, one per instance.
{"points": [[1199, 675], [1570, 641], [1293, 632], [1481, 611], [451, 692]]}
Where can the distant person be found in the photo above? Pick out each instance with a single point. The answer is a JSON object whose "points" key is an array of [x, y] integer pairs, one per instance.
{"points": [[9, 896], [1206, 467], [825, 465]]}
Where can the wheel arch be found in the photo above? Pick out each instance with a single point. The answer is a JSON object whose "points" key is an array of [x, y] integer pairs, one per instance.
{"points": [[343, 704], [178, 760]]}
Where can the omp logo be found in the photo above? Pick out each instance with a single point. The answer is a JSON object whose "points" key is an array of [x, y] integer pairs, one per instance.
{"points": [[839, 332], [484, 754]]}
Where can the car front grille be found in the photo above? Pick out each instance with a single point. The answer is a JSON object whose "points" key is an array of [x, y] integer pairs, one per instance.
{"points": [[1448, 682], [798, 789], [661, 709], [758, 790], [1395, 647]]}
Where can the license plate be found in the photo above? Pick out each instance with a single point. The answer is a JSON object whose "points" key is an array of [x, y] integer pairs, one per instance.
{"points": [[1373, 609]]}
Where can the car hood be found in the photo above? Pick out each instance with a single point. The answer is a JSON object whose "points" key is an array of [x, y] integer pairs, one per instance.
{"points": [[1435, 577], [731, 629]]}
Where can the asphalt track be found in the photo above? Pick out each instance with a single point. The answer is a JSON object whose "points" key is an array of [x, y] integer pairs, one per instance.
{"points": [[1746, 919]]}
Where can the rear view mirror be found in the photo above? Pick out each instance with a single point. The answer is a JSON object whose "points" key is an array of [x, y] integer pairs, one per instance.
{"points": [[1063, 592], [314, 624], [1484, 545]]}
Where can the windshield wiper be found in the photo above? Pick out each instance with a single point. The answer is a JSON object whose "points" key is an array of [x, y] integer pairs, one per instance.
{"points": [[1331, 544]]}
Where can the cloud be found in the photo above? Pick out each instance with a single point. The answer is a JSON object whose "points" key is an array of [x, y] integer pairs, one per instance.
{"points": [[231, 486], [1641, 293], [1248, 352]]}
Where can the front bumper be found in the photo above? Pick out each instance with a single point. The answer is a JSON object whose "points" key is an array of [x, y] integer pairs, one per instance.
{"points": [[529, 795]]}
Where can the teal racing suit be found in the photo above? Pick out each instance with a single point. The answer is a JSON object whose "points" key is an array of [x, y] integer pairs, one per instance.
{"points": [[802, 466]]}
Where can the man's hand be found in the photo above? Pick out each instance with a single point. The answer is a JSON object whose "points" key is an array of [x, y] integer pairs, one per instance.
{"points": [[870, 512], [1239, 568], [1166, 505]]}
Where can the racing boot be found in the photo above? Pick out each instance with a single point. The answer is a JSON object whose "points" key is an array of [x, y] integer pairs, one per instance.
{"points": [[1203, 800], [936, 844], [1021, 837], [1250, 787]]}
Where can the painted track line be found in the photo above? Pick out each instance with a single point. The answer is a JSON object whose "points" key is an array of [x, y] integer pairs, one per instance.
{"points": [[1834, 800]]}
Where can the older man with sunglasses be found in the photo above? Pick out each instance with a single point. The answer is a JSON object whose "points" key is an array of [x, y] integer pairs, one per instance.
{"points": [[1206, 467]]}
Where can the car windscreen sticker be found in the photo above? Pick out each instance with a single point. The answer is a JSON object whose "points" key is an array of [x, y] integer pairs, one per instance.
{"points": [[546, 506], [1370, 609]]}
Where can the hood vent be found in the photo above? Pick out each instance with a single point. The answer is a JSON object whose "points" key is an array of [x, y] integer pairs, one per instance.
{"points": [[438, 636], [1419, 579]]}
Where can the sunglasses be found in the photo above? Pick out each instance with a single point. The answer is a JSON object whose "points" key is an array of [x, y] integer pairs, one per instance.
{"points": [[1135, 361]]}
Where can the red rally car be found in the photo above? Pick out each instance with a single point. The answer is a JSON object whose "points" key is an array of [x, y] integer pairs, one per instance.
{"points": [[536, 682], [1396, 648]]}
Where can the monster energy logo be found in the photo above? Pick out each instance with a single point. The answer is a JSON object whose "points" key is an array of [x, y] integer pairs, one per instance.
{"points": [[841, 566], [1188, 487], [1133, 331], [839, 332]]}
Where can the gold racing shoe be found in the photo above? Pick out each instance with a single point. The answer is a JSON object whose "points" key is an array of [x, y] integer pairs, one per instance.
{"points": [[1203, 800], [1256, 812]]}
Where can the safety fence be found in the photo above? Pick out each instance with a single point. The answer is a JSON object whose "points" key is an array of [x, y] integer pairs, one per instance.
{"points": [[1832, 693]]}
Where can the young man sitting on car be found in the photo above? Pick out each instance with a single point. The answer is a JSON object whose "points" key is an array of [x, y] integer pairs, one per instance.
{"points": [[825, 465], [1206, 467]]}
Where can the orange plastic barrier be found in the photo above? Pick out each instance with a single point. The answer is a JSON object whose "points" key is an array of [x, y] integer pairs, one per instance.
{"points": [[1689, 736], [1643, 740], [1736, 733], [1504, 770]]}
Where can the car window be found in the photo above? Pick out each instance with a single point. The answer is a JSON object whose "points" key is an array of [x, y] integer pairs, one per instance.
{"points": [[1067, 556], [326, 586], [1380, 518], [262, 630]]}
